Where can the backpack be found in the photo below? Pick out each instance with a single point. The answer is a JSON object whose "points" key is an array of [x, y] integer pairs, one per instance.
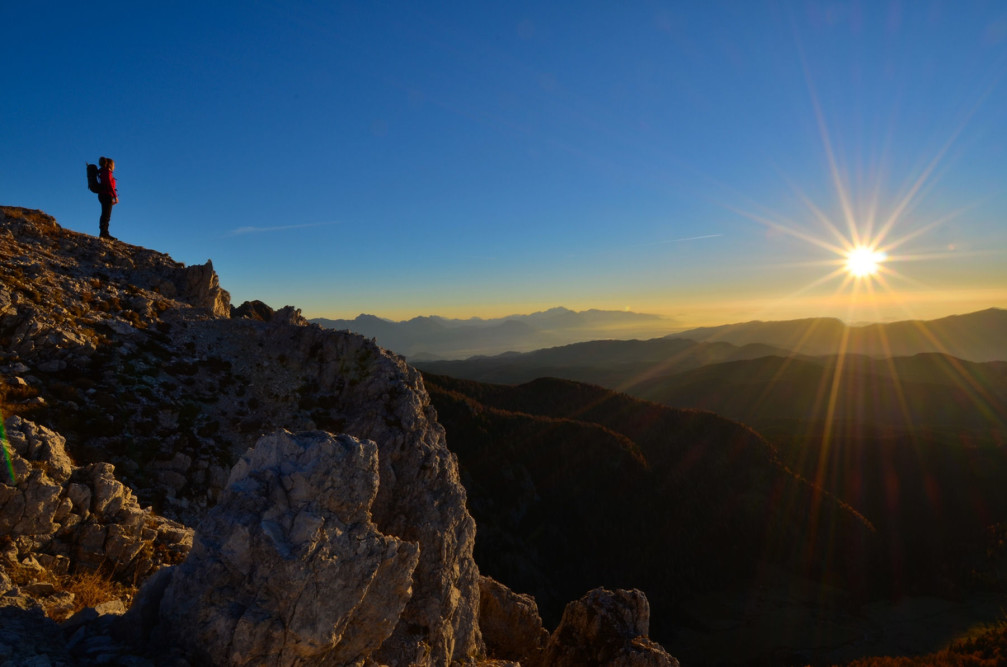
{"points": [[92, 178]]}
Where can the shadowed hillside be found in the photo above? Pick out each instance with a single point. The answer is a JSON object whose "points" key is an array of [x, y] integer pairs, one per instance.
{"points": [[912, 442], [676, 502], [926, 391], [916, 444], [615, 364], [979, 336]]}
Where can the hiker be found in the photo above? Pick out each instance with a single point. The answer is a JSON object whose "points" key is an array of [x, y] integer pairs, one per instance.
{"points": [[106, 194]]}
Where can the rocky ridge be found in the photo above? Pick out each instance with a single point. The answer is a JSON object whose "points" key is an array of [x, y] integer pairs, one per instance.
{"points": [[131, 391]]}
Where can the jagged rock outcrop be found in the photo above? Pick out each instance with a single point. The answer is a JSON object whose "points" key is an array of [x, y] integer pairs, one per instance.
{"points": [[510, 623], [606, 628], [261, 312], [289, 568], [253, 310], [343, 383], [172, 395], [200, 286], [65, 529]]}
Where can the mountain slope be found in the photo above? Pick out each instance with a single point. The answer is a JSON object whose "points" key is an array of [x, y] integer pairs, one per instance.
{"points": [[677, 502], [979, 336], [938, 506], [926, 391], [611, 363]]}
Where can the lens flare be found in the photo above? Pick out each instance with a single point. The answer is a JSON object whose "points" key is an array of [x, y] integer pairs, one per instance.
{"points": [[6, 453]]}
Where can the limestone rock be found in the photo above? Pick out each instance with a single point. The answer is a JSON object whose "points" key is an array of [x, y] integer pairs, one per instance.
{"points": [[253, 310], [606, 628], [510, 623], [6, 306], [260, 312], [64, 291], [290, 315], [288, 568], [184, 377], [351, 386], [78, 516], [200, 286], [41, 444]]}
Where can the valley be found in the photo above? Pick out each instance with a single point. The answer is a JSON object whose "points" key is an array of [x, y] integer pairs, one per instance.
{"points": [[914, 448]]}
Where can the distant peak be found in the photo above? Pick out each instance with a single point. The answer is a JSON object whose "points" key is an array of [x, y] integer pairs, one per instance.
{"points": [[366, 317]]}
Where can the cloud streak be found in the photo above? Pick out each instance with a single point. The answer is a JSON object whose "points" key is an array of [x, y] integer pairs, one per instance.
{"points": [[243, 231], [690, 238], [651, 244]]}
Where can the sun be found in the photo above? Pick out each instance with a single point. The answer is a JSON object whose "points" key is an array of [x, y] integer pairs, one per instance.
{"points": [[864, 261]]}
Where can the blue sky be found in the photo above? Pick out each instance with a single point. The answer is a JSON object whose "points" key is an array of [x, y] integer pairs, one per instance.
{"points": [[707, 161]]}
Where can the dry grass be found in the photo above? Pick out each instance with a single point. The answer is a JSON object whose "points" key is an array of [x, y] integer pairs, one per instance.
{"points": [[13, 399], [89, 588], [983, 647]]}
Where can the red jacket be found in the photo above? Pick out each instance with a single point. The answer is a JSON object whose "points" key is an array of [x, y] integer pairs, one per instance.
{"points": [[107, 181]]}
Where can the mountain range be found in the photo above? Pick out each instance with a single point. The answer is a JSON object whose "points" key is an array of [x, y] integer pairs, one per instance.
{"points": [[979, 336], [764, 384], [437, 337]]}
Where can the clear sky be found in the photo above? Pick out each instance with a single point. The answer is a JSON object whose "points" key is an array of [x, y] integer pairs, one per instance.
{"points": [[707, 161]]}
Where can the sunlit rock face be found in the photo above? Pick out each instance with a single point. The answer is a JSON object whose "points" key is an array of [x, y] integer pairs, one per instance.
{"points": [[510, 623], [362, 390], [62, 517], [289, 567]]}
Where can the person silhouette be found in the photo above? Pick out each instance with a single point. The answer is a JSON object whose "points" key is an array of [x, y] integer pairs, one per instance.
{"points": [[107, 195]]}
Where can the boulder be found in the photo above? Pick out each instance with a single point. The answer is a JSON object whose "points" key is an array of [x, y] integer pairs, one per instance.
{"points": [[289, 567], [510, 623], [606, 628], [43, 445]]}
